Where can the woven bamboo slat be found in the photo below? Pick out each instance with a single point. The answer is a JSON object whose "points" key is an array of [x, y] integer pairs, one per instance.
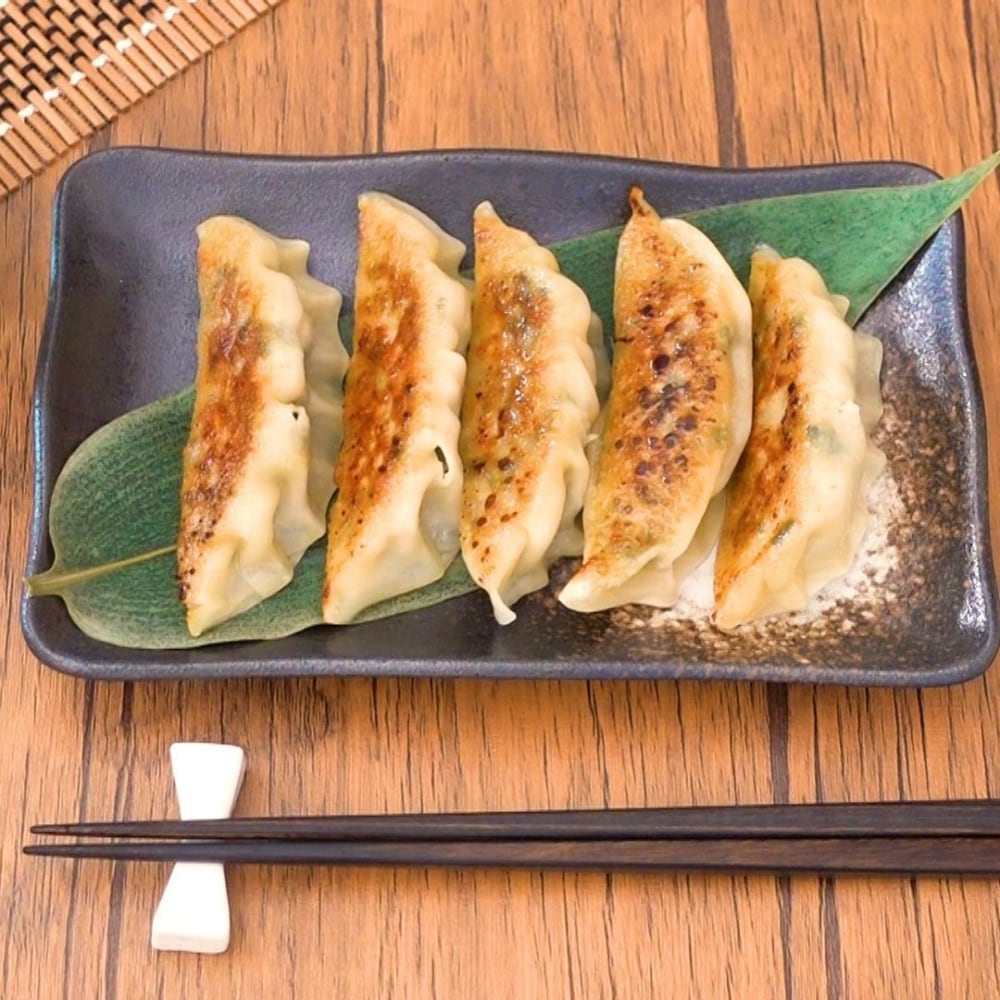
{"points": [[67, 67]]}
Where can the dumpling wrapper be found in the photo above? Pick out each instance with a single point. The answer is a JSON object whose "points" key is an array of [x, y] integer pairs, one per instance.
{"points": [[529, 405], [393, 526], [266, 428], [798, 506], [676, 420]]}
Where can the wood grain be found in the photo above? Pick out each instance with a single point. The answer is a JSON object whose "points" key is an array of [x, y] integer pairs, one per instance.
{"points": [[703, 81]]}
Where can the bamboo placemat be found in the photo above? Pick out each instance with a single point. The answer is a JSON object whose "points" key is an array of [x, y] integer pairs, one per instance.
{"points": [[67, 67]]}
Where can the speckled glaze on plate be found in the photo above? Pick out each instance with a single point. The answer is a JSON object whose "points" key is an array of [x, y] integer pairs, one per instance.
{"points": [[120, 333]]}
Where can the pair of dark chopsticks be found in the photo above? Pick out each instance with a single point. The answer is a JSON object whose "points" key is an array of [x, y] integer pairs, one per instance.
{"points": [[903, 838]]}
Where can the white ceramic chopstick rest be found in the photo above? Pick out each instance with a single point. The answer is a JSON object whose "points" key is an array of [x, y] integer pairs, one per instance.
{"points": [[193, 914]]}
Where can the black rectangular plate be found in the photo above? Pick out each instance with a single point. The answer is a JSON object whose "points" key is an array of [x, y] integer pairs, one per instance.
{"points": [[120, 331]]}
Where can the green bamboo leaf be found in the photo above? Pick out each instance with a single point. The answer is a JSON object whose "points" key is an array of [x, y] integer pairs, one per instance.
{"points": [[114, 564], [97, 531], [137, 606], [859, 239]]}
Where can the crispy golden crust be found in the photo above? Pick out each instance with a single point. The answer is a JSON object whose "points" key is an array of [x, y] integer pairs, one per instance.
{"points": [[385, 388], [505, 419], [671, 389], [228, 404], [761, 492]]}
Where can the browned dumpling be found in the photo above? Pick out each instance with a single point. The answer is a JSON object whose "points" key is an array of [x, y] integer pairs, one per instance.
{"points": [[394, 524], [257, 470], [530, 402], [676, 420], [798, 500]]}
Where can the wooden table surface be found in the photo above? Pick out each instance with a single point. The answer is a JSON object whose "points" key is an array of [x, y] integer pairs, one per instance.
{"points": [[701, 81]]}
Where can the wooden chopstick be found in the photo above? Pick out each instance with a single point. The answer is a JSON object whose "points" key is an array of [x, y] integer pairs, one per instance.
{"points": [[953, 818], [905, 856]]}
